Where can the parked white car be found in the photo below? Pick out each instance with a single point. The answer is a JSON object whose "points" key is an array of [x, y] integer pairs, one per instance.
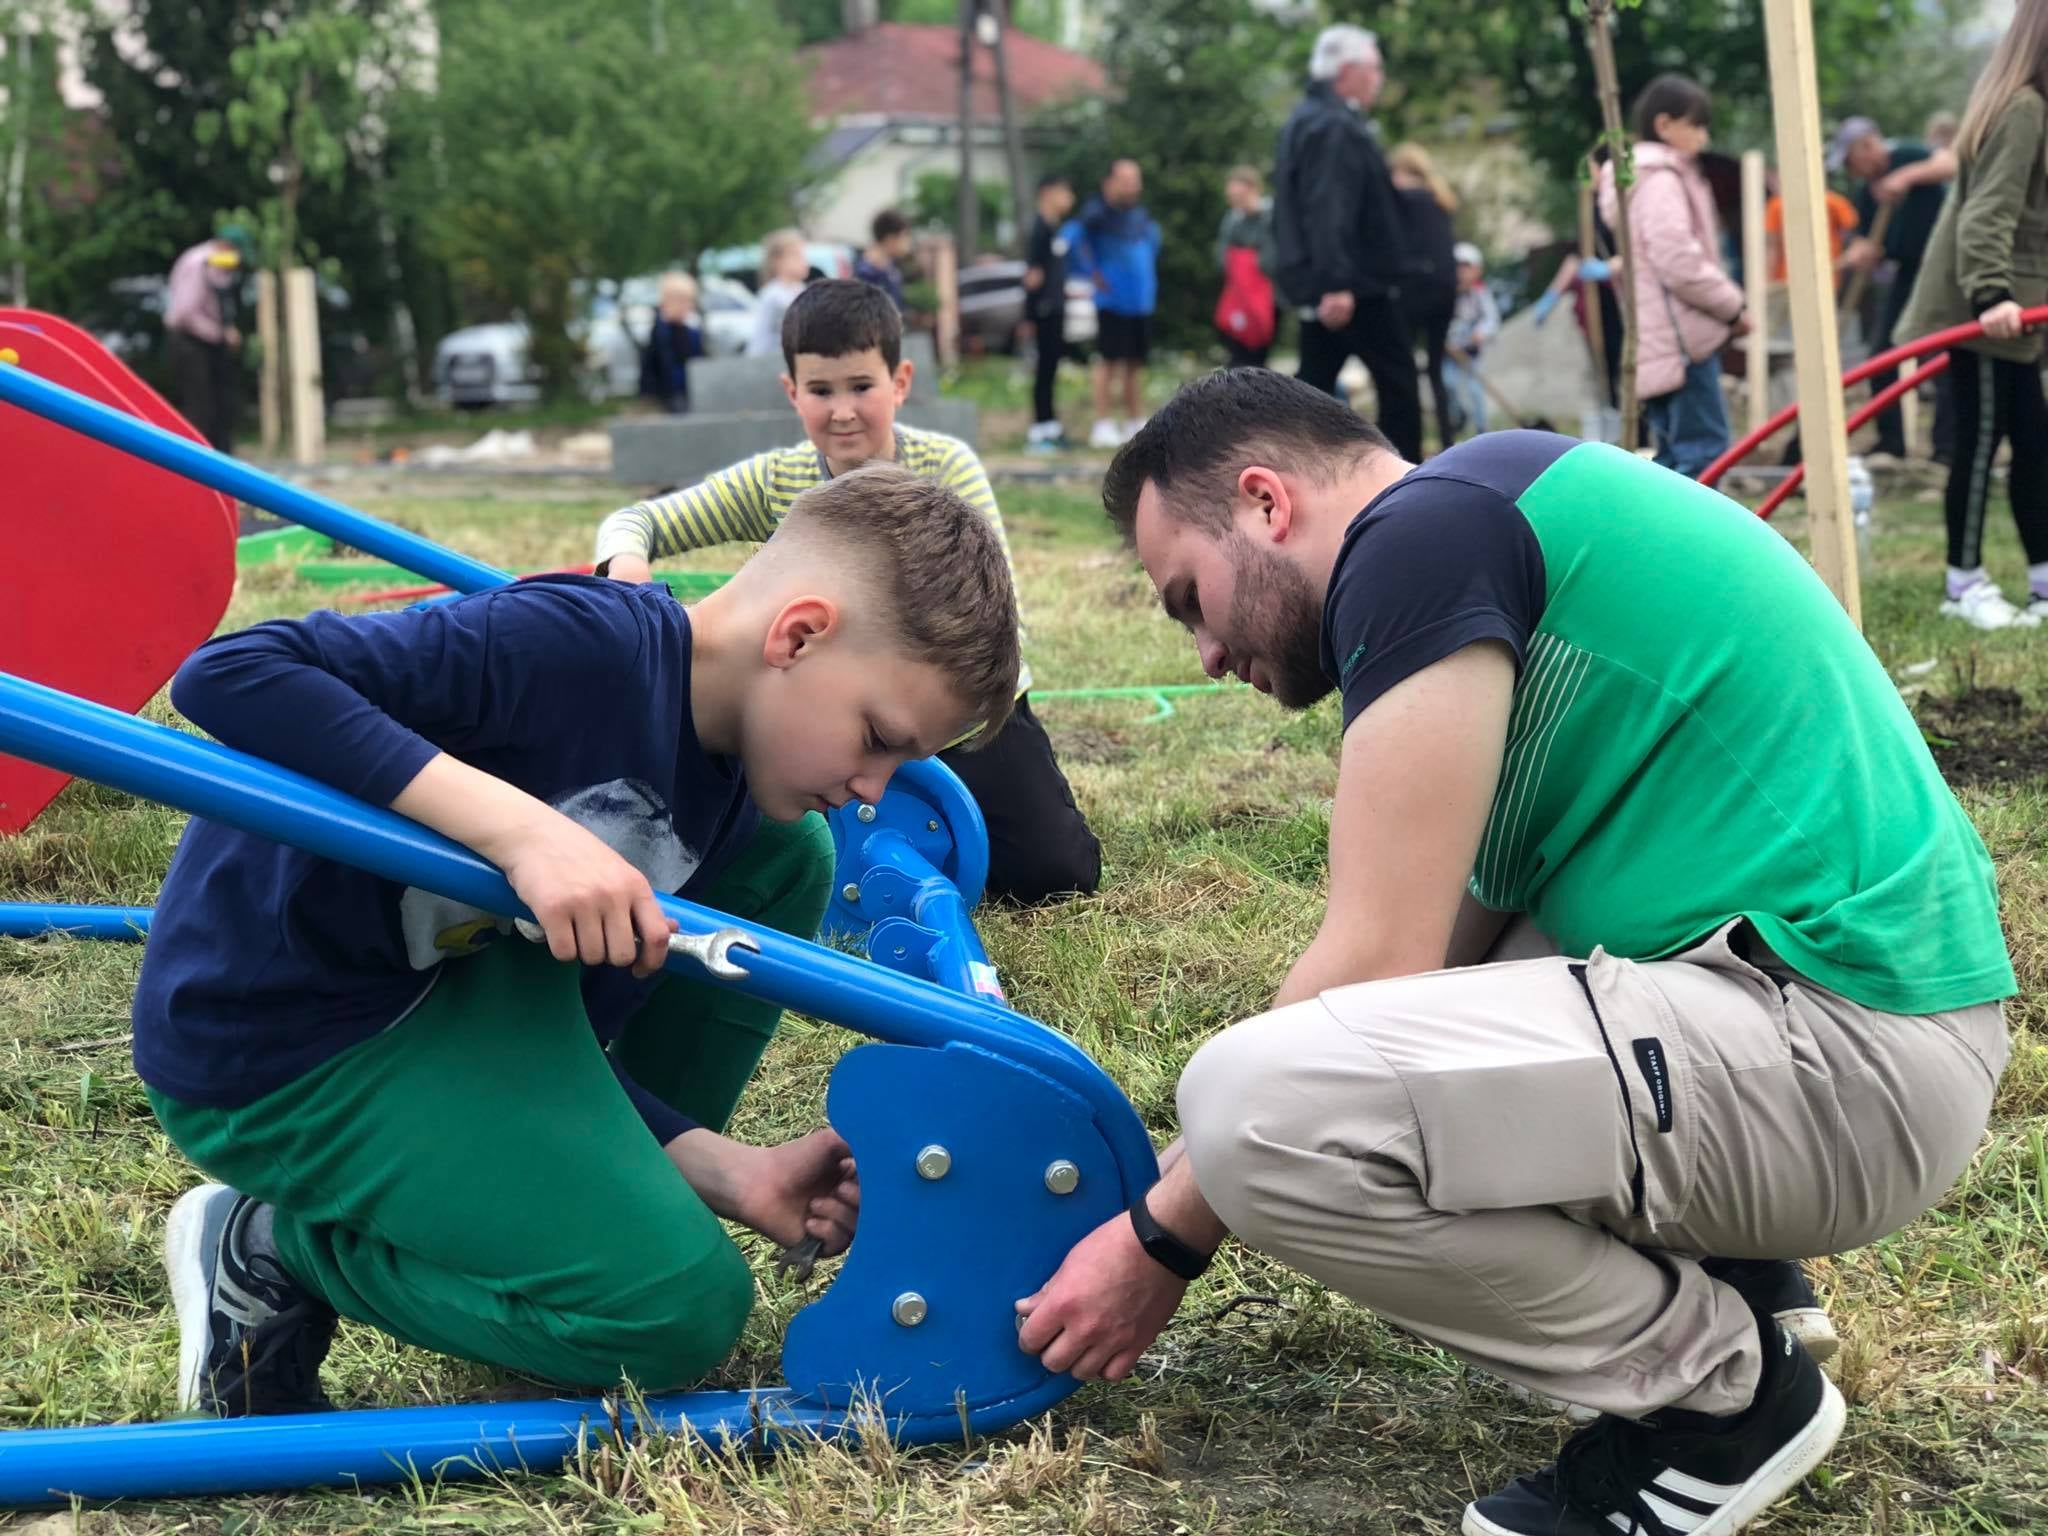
{"points": [[489, 364]]}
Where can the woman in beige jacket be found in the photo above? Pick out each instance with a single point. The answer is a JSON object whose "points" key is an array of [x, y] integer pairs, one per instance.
{"points": [[1988, 260], [1687, 306]]}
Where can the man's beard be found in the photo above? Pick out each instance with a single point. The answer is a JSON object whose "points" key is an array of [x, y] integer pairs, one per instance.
{"points": [[1278, 616]]}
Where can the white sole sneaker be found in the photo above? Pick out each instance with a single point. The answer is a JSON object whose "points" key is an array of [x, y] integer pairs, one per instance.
{"points": [[1768, 1484], [187, 1263]]}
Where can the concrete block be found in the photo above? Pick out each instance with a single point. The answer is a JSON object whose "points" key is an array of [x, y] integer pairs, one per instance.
{"points": [[730, 385], [681, 450]]}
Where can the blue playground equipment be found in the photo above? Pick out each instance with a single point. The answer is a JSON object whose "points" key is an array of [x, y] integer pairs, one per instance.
{"points": [[926, 810], [968, 1120], [987, 1144]]}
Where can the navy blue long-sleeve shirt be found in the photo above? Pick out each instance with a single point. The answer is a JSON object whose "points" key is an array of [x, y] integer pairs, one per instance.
{"points": [[264, 961]]}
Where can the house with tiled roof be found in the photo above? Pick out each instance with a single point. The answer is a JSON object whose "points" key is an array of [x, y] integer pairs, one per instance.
{"points": [[887, 99]]}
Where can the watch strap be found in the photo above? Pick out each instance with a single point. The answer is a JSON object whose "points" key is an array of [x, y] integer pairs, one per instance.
{"points": [[1163, 1247]]}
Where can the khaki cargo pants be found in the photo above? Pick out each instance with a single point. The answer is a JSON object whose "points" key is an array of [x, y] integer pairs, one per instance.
{"points": [[1522, 1161]]}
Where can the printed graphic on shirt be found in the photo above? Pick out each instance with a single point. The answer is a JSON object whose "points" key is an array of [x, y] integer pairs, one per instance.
{"points": [[627, 816]]}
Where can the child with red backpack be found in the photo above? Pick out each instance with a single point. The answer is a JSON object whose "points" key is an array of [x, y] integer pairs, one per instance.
{"points": [[1244, 254]]}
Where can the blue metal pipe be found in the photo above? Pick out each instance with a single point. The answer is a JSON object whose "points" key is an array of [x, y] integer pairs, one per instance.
{"points": [[196, 461], [90, 741], [191, 1458], [32, 919]]}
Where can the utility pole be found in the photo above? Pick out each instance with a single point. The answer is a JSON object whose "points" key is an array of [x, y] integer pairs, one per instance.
{"points": [[1013, 140], [966, 207]]}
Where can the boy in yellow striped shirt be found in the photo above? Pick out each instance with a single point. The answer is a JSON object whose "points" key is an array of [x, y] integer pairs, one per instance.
{"points": [[842, 343]]}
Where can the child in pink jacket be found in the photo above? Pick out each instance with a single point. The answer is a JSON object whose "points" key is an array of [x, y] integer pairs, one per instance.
{"points": [[1687, 307]]}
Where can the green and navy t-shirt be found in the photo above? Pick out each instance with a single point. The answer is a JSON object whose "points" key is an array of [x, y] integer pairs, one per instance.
{"points": [[1698, 733]]}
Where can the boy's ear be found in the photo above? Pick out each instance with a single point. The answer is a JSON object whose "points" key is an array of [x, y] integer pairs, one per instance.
{"points": [[789, 388], [904, 371], [799, 626]]}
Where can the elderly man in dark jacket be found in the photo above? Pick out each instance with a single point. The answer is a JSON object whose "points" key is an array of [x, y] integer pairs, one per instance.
{"points": [[1338, 234]]}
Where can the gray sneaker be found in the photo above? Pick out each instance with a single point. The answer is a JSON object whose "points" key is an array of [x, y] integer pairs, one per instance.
{"points": [[250, 1339]]}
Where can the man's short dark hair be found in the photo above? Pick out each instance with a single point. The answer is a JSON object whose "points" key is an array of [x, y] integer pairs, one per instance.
{"points": [[1196, 445], [888, 224], [1678, 96], [1053, 179], [839, 317]]}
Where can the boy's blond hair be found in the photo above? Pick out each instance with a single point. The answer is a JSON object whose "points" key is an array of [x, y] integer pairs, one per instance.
{"points": [[934, 568], [677, 288], [775, 247]]}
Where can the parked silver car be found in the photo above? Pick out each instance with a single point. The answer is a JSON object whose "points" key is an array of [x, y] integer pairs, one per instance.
{"points": [[992, 298], [490, 364]]}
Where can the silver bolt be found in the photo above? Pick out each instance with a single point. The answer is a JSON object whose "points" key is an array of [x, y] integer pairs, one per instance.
{"points": [[934, 1162], [908, 1309], [850, 891], [865, 813], [931, 826], [1062, 1177]]}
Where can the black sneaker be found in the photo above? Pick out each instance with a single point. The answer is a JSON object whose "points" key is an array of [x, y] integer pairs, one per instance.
{"points": [[1678, 1473], [1779, 1287], [250, 1341]]}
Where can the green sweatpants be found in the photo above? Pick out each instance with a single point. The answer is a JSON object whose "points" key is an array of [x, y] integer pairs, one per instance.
{"points": [[474, 1181]]}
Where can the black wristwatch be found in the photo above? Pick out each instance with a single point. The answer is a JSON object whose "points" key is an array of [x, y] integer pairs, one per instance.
{"points": [[1164, 1247]]}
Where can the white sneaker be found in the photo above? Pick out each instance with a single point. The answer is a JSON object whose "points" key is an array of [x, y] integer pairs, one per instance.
{"points": [[1105, 435], [1983, 606], [2038, 609], [1133, 428]]}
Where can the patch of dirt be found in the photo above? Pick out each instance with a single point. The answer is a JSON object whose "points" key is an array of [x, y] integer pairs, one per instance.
{"points": [[1985, 736], [1083, 744]]}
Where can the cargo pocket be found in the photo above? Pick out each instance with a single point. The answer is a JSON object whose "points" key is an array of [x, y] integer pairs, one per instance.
{"points": [[1653, 1072], [1517, 1101]]}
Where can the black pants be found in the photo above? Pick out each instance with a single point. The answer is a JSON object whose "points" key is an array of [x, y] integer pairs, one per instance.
{"points": [[1432, 323], [204, 376], [1996, 400], [1238, 355], [1039, 845], [1052, 343], [1378, 337], [1891, 422]]}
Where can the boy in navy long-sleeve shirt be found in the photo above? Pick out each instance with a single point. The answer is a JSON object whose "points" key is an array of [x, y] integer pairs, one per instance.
{"points": [[459, 1137]]}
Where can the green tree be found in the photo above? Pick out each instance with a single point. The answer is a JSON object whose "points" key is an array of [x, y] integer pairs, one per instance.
{"points": [[645, 132], [170, 180], [59, 230], [1197, 86], [1529, 58], [299, 94]]}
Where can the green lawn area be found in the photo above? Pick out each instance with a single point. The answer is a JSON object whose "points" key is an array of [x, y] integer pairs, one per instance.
{"points": [[1269, 1406]]}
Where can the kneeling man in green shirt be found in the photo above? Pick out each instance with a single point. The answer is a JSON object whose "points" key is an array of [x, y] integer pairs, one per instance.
{"points": [[1657, 953]]}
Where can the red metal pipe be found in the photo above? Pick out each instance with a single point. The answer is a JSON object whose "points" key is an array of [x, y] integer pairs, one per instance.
{"points": [[1939, 341], [1877, 402]]}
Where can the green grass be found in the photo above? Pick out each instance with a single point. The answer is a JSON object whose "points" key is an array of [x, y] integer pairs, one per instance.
{"points": [[1269, 1406]]}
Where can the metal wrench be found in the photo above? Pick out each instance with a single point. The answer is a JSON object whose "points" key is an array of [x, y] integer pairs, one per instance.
{"points": [[711, 950]]}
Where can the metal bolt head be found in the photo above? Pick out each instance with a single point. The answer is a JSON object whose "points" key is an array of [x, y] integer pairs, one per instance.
{"points": [[865, 813], [908, 1309], [850, 891], [1062, 1177], [931, 826], [934, 1162]]}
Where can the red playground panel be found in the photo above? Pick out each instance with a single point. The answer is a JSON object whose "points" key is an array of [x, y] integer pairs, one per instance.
{"points": [[116, 569]]}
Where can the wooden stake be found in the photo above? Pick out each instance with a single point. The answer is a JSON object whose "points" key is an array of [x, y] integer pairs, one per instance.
{"points": [[1599, 26], [1589, 296], [270, 343], [302, 359], [1795, 102], [1756, 282]]}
